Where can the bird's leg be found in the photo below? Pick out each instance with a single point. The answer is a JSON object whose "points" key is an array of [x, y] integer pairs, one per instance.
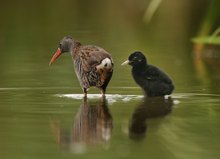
{"points": [[85, 92], [84, 99], [103, 92], [103, 99]]}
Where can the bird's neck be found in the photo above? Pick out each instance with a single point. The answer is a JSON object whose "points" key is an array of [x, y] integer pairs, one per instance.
{"points": [[75, 48], [140, 68]]}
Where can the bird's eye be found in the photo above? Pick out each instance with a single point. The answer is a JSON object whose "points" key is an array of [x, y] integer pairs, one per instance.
{"points": [[60, 46]]}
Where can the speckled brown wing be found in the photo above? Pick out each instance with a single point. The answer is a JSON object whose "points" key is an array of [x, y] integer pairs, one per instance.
{"points": [[94, 66], [93, 55]]}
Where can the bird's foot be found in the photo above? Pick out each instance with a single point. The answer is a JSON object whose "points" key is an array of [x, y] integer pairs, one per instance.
{"points": [[85, 94], [103, 93]]}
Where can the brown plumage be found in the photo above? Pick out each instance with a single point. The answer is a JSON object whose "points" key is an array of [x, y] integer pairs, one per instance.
{"points": [[93, 65]]}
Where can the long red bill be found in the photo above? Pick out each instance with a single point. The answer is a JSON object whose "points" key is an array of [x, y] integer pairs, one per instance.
{"points": [[55, 56]]}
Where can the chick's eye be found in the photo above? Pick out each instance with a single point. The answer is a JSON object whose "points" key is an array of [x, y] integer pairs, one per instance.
{"points": [[135, 58], [60, 46]]}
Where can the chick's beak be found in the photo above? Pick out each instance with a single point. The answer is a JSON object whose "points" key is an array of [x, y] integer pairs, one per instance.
{"points": [[55, 56], [125, 63]]}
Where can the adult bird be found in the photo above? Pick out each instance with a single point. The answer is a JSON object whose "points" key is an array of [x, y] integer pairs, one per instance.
{"points": [[150, 78], [93, 65]]}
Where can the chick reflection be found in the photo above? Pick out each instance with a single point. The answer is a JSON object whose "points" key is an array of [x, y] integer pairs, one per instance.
{"points": [[92, 125], [150, 108]]}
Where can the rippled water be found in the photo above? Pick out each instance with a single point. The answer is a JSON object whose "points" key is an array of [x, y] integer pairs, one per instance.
{"points": [[38, 123]]}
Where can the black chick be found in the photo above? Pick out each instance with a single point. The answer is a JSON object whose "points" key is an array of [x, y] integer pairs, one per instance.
{"points": [[151, 79]]}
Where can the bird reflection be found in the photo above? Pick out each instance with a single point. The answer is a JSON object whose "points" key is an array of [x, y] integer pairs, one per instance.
{"points": [[92, 125], [149, 108]]}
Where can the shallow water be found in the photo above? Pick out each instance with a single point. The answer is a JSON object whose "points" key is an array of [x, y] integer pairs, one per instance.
{"points": [[36, 123], [43, 113]]}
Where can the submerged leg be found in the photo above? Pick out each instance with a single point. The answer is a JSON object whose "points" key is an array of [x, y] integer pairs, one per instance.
{"points": [[85, 92], [103, 91]]}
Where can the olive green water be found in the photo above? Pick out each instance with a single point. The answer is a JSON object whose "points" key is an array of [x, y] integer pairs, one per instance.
{"points": [[42, 111]]}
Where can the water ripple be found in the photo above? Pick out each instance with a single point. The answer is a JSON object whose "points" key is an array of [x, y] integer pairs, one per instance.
{"points": [[112, 98]]}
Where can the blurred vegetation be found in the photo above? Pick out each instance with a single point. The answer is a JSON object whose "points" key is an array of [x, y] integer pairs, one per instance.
{"points": [[213, 39], [31, 31], [207, 46], [208, 25]]}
